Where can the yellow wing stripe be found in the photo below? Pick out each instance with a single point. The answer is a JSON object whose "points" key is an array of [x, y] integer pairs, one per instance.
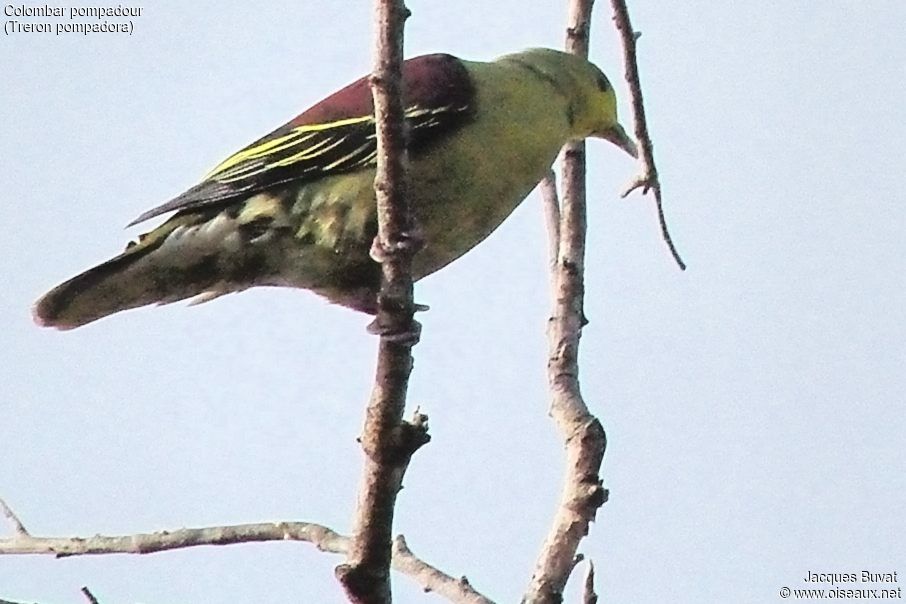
{"points": [[265, 150], [240, 172], [344, 159], [337, 124], [249, 153], [295, 137], [310, 152], [252, 161]]}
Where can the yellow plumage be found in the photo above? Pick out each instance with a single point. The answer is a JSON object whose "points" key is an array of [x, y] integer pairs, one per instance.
{"points": [[297, 209]]}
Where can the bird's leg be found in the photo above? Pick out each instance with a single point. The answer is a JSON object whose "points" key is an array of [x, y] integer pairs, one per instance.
{"points": [[409, 336], [409, 242], [385, 323]]}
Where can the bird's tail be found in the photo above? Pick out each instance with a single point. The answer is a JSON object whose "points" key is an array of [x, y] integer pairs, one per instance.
{"points": [[178, 260]]}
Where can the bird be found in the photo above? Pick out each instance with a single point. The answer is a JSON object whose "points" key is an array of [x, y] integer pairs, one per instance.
{"points": [[296, 208]]}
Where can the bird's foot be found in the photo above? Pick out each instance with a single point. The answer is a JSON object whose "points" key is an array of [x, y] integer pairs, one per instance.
{"points": [[408, 242], [392, 333]]}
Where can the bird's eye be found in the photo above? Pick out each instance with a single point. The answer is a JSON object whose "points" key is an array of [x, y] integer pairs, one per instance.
{"points": [[603, 84]]}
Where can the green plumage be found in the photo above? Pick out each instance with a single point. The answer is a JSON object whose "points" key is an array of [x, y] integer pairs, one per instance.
{"points": [[297, 208]]}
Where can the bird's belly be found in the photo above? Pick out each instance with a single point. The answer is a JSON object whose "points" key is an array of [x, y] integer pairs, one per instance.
{"points": [[459, 198], [456, 209]]}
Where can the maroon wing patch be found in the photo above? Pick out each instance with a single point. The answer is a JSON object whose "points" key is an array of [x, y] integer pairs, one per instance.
{"points": [[429, 81], [337, 135]]}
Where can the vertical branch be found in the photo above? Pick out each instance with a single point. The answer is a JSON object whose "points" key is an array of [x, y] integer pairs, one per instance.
{"points": [[551, 204], [387, 440], [582, 433]]}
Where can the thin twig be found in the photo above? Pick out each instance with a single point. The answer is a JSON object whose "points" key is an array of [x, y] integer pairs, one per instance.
{"points": [[17, 524], [433, 579], [387, 440], [582, 433], [89, 596], [589, 596], [322, 537], [551, 202], [325, 539], [648, 179]]}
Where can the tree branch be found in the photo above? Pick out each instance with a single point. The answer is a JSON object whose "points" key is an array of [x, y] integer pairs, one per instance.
{"points": [[322, 537], [582, 433], [551, 203], [648, 179], [387, 440], [92, 599], [589, 596], [17, 524], [433, 579], [404, 561]]}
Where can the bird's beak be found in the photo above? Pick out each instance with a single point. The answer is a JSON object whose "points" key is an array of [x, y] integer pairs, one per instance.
{"points": [[618, 137]]}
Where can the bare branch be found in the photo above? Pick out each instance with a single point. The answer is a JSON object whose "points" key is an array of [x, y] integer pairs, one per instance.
{"points": [[578, 26], [387, 440], [322, 537], [17, 524], [433, 579], [551, 201], [589, 596], [89, 596], [648, 179], [582, 433], [325, 539]]}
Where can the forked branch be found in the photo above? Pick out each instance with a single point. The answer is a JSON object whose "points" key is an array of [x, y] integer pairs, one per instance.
{"points": [[404, 561], [582, 433]]}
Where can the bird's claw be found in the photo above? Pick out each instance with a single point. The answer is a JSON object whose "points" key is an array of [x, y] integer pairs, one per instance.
{"points": [[377, 252], [409, 241], [391, 333]]}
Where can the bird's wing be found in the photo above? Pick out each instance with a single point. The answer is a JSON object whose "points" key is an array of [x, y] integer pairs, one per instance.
{"points": [[337, 135]]}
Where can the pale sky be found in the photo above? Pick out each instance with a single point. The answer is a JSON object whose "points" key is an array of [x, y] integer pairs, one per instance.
{"points": [[754, 405]]}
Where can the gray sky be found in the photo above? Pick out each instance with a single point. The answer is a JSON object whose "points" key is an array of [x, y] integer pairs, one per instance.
{"points": [[753, 405]]}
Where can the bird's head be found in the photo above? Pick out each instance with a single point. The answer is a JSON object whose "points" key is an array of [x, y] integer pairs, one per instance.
{"points": [[592, 101]]}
